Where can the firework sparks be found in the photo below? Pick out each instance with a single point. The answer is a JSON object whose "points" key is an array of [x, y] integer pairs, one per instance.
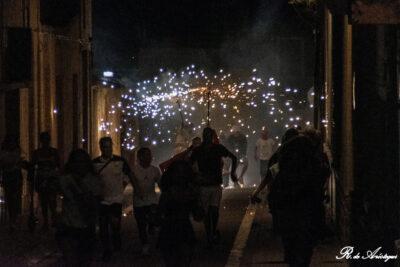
{"points": [[172, 100]]}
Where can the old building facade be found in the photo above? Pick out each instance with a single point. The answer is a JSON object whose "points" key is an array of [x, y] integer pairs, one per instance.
{"points": [[45, 70], [357, 107]]}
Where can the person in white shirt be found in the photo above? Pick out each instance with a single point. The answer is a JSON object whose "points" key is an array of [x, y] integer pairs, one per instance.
{"points": [[145, 206], [264, 149], [115, 174]]}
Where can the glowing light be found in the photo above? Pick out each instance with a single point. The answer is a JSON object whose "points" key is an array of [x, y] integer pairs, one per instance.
{"points": [[108, 74]]}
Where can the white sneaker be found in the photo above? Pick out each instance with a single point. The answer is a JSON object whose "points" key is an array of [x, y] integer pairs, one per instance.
{"points": [[146, 250]]}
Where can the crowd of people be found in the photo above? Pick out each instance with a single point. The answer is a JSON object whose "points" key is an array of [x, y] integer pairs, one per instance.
{"points": [[191, 186]]}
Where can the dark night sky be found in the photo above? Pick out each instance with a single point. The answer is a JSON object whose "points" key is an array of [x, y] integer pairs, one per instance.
{"points": [[123, 28], [189, 22]]}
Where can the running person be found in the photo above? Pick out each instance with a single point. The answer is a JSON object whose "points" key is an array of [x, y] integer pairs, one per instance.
{"points": [[263, 151], [179, 201], [115, 174], [145, 206], [207, 161], [226, 161], [237, 143]]}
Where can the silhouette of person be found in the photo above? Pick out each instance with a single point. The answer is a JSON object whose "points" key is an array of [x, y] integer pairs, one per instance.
{"points": [[46, 163], [296, 198], [81, 190], [10, 169], [208, 164], [179, 201]]}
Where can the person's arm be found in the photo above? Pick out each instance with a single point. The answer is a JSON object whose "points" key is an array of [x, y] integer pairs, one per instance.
{"points": [[132, 178], [274, 146], [261, 186], [245, 144], [158, 176], [256, 151], [134, 182]]}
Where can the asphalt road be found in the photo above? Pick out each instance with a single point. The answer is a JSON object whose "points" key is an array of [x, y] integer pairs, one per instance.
{"points": [[40, 249]]}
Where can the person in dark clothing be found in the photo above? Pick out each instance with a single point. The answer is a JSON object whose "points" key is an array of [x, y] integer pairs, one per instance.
{"points": [[81, 190], [179, 201], [46, 164], [207, 160], [11, 163], [296, 198]]}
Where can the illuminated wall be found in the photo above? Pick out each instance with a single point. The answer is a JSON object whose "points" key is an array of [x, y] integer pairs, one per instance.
{"points": [[56, 95], [103, 98]]}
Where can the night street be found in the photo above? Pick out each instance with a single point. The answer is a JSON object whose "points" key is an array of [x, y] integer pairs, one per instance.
{"points": [[254, 246], [182, 133]]}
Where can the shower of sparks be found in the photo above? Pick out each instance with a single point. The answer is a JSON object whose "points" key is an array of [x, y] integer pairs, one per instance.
{"points": [[174, 100]]}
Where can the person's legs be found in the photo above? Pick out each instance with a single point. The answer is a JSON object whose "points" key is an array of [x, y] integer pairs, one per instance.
{"points": [[116, 226], [10, 205], [225, 179], [263, 169], [214, 217], [152, 219], [104, 224], [141, 221], [68, 243], [216, 195], [43, 199], [288, 249], [245, 165], [85, 246], [226, 171], [298, 249], [208, 225], [205, 199], [52, 204]]}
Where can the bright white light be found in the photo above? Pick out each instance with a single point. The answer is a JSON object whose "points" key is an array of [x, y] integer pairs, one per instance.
{"points": [[108, 74]]}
